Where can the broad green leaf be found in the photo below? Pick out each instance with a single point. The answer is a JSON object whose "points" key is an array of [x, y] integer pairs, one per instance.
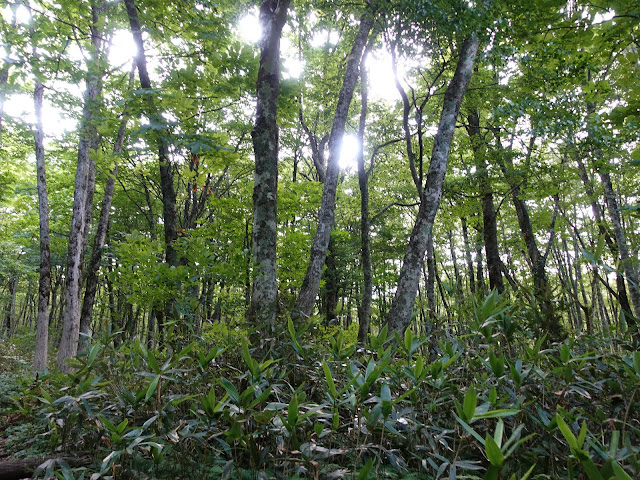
{"points": [[566, 432], [152, 387], [491, 448], [469, 404]]}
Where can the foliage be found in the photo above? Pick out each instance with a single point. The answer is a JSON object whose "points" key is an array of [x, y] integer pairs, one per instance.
{"points": [[408, 407]]}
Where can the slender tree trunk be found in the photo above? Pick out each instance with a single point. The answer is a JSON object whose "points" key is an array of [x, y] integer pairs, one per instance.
{"points": [[430, 279], [11, 306], [479, 261], [364, 312], [467, 256], [273, 14], [91, 284], [604, 231], [309, 291], [490, 225], [44, 282], [401, 310], [621, 240], [537, 260], [83, 195], [169, 213], [454, 260], [331, 284]]}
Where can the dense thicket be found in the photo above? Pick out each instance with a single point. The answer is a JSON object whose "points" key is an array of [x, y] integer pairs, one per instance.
{"points": [[460, 174]]}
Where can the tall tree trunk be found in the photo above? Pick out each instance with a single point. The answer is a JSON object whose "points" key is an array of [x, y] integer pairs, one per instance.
{"points": [[621, 240], [44, 282], [309, 291], [364, 312], [467, 256], [430, 279], [454, 260], [479, 261], [604, 231], [330, 284], [91, 284], [273, 14], [169, 213], [83, 195], [537, 260], [490, 226], [401, 310]]}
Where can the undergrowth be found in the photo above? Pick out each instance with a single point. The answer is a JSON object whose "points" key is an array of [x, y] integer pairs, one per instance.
{"points": [[491, 402]]}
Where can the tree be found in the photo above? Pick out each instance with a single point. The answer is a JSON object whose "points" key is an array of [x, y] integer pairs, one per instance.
{"points": [[84, 189], [309, 290], [273, 14], [400, 314]]}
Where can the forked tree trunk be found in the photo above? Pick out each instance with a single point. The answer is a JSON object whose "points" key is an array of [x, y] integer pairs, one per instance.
{"points": [[91, 284], [309, 291], [401, 310], [82, 199], [44, 282], [273, 14]]}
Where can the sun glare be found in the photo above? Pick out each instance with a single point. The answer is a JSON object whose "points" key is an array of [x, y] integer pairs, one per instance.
{"points": [[349, 151], [381, 80], [249, 27]]}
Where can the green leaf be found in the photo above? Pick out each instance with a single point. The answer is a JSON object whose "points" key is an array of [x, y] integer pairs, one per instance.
{"points": [[583, 434], [469, 404], [566, 432], [153, 363], [494, 454], [466, 426], [231, 389], [330, 383], [292, 413], [502, 412], [93, 354], [364, 473], [152, 387], [620, 473], [497, 435]]}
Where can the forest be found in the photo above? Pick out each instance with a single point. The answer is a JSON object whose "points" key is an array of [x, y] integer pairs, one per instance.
{"points": [[273, 239]]}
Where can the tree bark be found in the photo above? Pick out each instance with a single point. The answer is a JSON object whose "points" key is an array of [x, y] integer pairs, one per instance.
{"points": [[537, 260], [91, 284], [467, 256], [263, 308], [364, 312], [401, 310], [604, 231], [82, 200], [44, 282], [430, 279], [309, 290], [621, 240], [490, 230]]}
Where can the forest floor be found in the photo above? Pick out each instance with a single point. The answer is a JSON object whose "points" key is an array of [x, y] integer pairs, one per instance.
{"points": [[496, 405]]}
